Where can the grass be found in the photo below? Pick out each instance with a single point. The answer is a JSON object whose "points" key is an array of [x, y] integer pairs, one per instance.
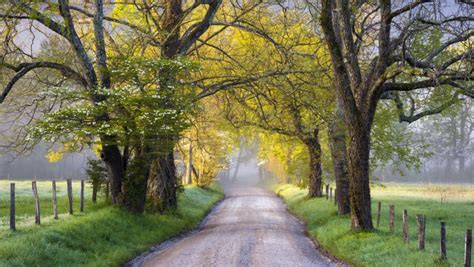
{"points": [[25, 207], [101, 236], [452, 204]]}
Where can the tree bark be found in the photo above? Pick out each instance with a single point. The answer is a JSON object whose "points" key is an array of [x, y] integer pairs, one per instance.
{"points": [[135, 184], [357, 102], [113, 160], [359, 185], [315, 171], [337, 145], [162, 184], [162, 181]]}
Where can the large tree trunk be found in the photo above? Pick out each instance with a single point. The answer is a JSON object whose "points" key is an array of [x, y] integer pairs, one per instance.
{"points": [[127, 187], [337, 144], [135, 184], [113, 160], [162, 184], [359, 185], [315, 172], [162, 180]]}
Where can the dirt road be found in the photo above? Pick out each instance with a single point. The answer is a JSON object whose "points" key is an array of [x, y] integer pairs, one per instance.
{"points": [[251, 227]]}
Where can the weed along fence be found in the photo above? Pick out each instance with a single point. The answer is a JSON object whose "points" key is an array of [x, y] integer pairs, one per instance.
{"points": [[40, 203], [421, 220]]}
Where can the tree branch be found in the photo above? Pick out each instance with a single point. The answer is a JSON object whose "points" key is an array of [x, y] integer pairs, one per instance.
{"points": [[408, 8], [404, 87], [119, 21], [41, 18], [24, 68], [414, 117], [196, 30], [348, 42], [101, 53], [342, 79], [227, 84], [77, 43]]}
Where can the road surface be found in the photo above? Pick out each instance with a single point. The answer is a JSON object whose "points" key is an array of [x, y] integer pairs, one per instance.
{"points": [[250, 227]]}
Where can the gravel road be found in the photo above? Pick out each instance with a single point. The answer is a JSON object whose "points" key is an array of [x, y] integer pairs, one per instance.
{"points": [[250, 227]]}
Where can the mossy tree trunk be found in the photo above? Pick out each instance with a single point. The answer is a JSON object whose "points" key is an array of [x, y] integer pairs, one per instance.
{"points": [[359, 184], [162, 184], [315, 171], [337, 145]]}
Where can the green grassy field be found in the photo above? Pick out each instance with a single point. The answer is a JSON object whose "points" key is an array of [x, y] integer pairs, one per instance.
{"points": [[101, 236], [452, 204], [25, 208]]}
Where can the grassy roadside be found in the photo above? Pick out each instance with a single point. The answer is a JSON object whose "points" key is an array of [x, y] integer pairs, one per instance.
{"points": [[382, 248], [102, 236]]}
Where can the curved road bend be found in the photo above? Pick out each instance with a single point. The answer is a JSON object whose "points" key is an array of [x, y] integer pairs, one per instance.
{"points": [[250, 227]]}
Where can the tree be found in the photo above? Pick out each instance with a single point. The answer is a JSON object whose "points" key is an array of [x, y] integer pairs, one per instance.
{"points": [[211, 143], [268, 57], [279, 103], [166, 31], [88, 77], [338, 148], [116, 103], [351, 30]]}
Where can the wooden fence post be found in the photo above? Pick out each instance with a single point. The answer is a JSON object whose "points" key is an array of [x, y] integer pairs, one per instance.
{"points": [[82, 195], [379, 210], [468, 248], [335, 196], [12, 207], [55, 201], [69, 194], [330, 194], [442, 244], [327, 191], [405, 226], [421, 220], [37, 204], [392, 218]]}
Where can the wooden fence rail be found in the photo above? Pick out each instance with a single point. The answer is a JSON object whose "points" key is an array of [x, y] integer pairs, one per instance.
{"points": [[420, 220], [379, 209], [37, 203], [442, 241], [55, 201], [405, 226], [468, 248], [82, 196], [12, 207], [392, 218], [69, 194]]}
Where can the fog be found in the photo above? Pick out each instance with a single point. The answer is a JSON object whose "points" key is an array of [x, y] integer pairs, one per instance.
{"points": [[35, 165]]}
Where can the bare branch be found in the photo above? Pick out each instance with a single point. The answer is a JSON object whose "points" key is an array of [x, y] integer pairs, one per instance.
{"points": [[408, 8], [228, 84], [25, 68], [414, 117]]}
